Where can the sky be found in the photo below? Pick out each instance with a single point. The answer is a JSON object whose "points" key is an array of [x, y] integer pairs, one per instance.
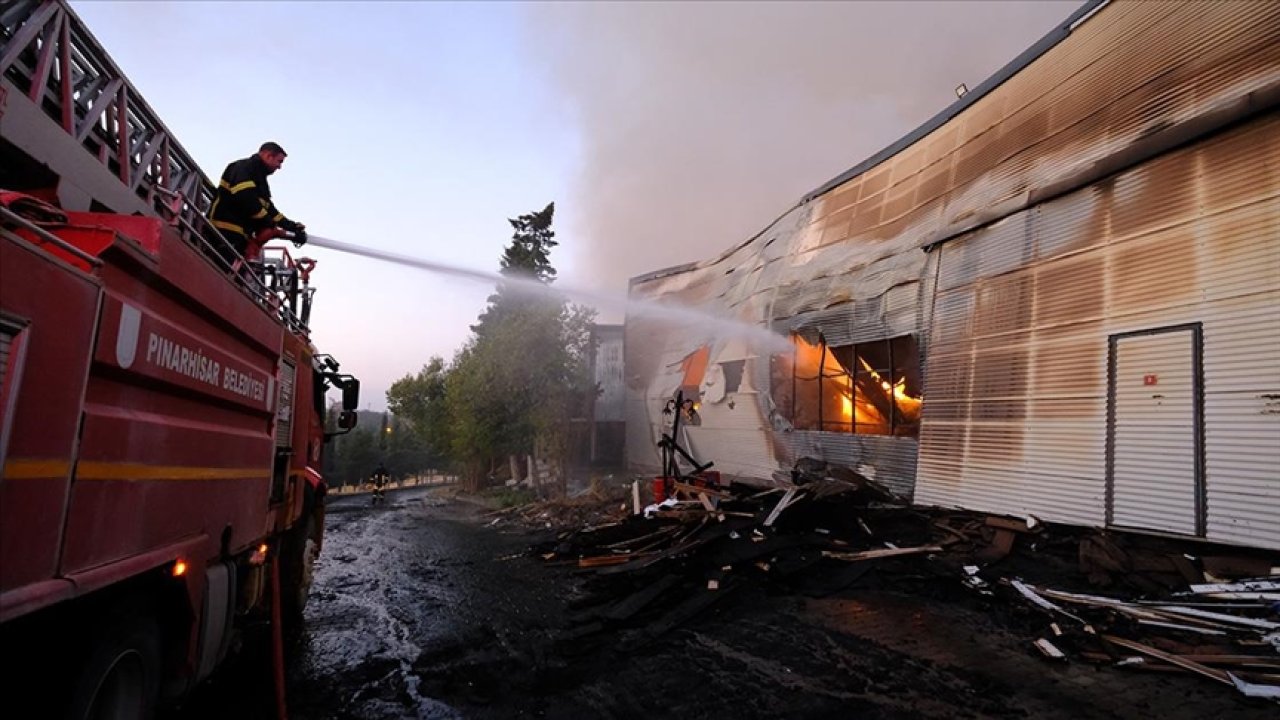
{"points": [[664, 132]]}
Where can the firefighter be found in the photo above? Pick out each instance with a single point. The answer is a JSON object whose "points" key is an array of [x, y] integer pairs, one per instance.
{"points": [[242, 209], [380, 478]]}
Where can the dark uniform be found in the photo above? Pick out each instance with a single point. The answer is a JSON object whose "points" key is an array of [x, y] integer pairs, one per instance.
{"points": [[243, 206]]}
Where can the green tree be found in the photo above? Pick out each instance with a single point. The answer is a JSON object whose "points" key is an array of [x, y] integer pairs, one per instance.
{"points": [[420, 400], [531, 349], [355, 455], [527, 257], [513, 388]]}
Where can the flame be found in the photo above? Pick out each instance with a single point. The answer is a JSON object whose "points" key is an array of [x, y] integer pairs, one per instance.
{"points": [[855, 405]]}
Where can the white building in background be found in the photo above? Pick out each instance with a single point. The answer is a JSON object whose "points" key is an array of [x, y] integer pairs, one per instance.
{"points": [[608, 416]]}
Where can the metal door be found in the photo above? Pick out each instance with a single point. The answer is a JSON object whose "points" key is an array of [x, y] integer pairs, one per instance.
{"points": [[1155, 436]]}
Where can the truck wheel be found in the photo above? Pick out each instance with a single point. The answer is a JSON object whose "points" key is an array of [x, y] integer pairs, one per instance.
{"points": [[120, 678], [298, 552]]}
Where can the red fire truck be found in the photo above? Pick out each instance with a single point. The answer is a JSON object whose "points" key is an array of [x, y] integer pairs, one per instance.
{"points": [[162, 418]]}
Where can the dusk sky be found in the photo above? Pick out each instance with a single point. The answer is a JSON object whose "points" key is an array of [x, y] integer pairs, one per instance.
{"points": [[664, 133]]}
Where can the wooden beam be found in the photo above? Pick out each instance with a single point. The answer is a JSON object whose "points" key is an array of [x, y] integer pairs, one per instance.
{"points": [[880, 553], [787, 498], [1181, 662]]}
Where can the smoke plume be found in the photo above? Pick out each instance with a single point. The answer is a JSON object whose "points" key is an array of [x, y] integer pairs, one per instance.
{"points": [[701, 123]]}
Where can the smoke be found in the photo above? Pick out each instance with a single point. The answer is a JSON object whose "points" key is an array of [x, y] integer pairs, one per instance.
{"points": [[701, 123]]}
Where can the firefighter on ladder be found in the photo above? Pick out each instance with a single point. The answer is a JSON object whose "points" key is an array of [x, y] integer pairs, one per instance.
{"points": [[242, 210]]}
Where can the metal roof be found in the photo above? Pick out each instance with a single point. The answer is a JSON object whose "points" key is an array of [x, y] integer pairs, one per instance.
{"points": [[1027, 57]]}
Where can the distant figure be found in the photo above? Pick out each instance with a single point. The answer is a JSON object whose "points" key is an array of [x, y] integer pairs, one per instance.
{"points": [[380, 478], [242, 209]]}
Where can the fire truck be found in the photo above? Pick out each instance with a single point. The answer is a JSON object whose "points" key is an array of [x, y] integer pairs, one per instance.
{"points": [[162, 416]]}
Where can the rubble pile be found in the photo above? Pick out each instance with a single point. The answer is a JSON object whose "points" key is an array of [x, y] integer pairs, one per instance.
{"points": [[1164, 609], [659, 568], [1222, 631], [650, 570], [586, 510]]}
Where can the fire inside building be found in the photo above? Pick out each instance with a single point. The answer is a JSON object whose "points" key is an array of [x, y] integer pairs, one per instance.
{"points": [[1060, 297]]}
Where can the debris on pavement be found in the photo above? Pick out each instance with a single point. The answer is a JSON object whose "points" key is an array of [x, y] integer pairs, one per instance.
{"points": [[827, 531], [1173, 636]]}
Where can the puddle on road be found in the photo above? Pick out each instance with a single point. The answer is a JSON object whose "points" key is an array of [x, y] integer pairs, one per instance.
{"points": [[362, 620]]}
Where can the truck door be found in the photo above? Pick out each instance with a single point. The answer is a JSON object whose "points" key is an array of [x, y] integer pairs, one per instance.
{"points": [[48, 314]]}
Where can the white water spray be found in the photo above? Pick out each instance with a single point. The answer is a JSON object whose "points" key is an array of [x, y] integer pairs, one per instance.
{"points": [[717, 327]]}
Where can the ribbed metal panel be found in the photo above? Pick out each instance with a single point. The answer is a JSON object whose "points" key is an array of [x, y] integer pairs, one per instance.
{"points": [[890, 461], [284, 406], [1212, 259], [1242, 415], [1132, 68], [1153, 467], [894, 313]]}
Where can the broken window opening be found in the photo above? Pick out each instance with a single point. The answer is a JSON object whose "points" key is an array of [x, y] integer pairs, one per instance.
{"points": [[782, 384], [732, 374], [867, 388]]}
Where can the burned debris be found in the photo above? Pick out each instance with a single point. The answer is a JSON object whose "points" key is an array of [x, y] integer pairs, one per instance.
{"points": [[1080, 596]]}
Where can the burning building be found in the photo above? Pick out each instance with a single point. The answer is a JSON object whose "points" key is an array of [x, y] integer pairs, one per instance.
{"points": [[1059, 297]]}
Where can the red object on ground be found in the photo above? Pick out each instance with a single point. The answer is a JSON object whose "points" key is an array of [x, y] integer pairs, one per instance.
{"points": [[659, 489]]}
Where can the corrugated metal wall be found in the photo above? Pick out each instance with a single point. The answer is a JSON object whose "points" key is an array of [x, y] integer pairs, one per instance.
{"points": [[1015, 417]]}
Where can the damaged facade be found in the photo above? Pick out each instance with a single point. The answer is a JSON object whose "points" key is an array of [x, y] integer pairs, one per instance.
{"points": [[1060, 297]]}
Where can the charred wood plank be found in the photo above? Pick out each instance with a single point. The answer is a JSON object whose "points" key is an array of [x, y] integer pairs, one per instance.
{"points": [[638, 601]]}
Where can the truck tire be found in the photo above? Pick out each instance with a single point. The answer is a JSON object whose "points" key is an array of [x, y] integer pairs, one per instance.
{"points": [[298, 552], [120, 676]]}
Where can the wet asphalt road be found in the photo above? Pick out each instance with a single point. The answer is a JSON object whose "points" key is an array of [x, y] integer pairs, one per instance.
{"points": [[403, 588], [420, 610], [394, 584]]}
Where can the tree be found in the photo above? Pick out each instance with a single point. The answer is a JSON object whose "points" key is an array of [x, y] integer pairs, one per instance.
{"points": [[527, 257], [420, 400], [533, 348], [512, 389], [354, 456], [350, 458]]}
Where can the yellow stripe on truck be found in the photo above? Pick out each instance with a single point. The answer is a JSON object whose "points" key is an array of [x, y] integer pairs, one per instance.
{"points": [[30, 469], [133, 471], [27, 469]]}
